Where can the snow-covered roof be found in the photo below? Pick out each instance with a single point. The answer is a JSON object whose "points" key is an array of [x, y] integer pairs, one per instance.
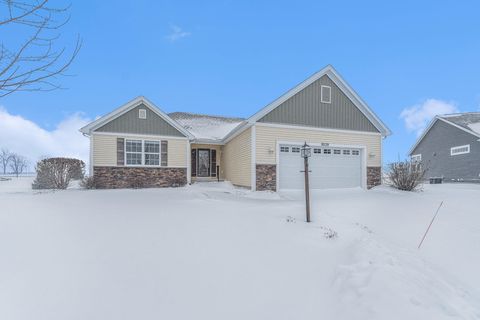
{"points": [[468, 120], [206, 127]]}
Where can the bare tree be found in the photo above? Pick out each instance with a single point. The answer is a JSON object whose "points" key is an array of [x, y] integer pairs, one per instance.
{"points": [[5, 157], [18, 164], [36, 62]]}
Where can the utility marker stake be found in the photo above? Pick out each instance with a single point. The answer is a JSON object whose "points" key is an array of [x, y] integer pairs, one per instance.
{"points": [[431, 222]]}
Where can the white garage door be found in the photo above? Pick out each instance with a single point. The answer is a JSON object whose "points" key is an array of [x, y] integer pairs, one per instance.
{"points": [[330, 167]]}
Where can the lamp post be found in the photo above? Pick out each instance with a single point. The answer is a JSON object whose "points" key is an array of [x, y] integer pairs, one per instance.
{"points": [[305, 153]]}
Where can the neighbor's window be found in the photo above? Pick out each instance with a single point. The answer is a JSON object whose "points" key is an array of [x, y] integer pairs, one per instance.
{"points": [[152, 153], [142, 113], [416, 158], [326, 94], [460, 150], [133, 152]]}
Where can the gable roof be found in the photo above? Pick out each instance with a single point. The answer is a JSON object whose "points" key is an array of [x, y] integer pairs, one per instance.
{"points": [[127, 107], [344, 87], [467, 121], [206, 128]]}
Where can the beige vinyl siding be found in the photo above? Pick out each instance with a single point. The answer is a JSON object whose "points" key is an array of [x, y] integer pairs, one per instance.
{"points": [[267, 137], [237, 159], [105, 149]]}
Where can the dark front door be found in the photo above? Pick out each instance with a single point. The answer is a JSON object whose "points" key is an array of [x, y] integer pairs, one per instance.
{"points": [[203, 163]]}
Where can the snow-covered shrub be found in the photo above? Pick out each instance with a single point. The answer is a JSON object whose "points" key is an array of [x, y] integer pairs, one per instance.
{"points": [[406, 175], [56, 173], [88, 183]]}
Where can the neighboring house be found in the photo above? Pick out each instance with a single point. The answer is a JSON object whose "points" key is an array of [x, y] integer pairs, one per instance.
{"points": [[139, 145], [450, 148]]}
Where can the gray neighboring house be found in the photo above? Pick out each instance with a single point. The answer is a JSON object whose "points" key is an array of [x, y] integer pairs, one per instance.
{"points": [[450, 147]]}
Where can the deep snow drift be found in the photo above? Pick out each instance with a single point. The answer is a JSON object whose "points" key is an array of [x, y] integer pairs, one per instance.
{"points": [[210, 251]]}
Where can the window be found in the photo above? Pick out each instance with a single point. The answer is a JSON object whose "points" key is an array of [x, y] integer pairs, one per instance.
{"points": [[296, 149], [460, 150], [416, 158], [355, 152], [325, 94], [327, 151], [346, 152], [336, 151], [317, 150], [284, 149], [142, 113], [152, 153], [133, 152]]}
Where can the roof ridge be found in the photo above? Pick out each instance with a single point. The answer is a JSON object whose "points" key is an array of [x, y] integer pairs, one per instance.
{"points": [[458, 113], [205, 115]]}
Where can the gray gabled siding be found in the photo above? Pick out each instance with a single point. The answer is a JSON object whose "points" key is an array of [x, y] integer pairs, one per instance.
{"points": [[306, 109], [130, 123], [435, 150]]}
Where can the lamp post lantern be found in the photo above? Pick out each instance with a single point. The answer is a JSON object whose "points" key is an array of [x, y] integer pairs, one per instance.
{"points": [[306, 152]]}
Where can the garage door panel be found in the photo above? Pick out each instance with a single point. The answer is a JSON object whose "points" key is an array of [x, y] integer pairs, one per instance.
{"points": [[331, 168]]}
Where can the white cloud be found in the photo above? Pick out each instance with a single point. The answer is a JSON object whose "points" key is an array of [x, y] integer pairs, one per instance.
{"points": [[26, 138], [417, 117], [177, 33]]}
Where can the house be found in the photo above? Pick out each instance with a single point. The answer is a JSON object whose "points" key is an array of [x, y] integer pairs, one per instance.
{"points": [[140, 145], [450, 148]]}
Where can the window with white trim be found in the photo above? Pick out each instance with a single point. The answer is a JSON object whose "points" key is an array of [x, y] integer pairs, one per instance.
{"points": [[142, 113], [296, 149], [317, 150], [355, 152], [133, 152], [152, 153], [416, 158], [284, 149], [336, 151], [327, 151], [346, 152], [326, 94], [460, 150]]}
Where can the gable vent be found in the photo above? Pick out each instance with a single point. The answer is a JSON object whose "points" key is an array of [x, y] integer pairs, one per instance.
{"points": [[326, 94], [142, 113]]}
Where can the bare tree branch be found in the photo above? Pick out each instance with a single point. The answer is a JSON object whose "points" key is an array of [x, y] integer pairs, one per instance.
{"points": [[37, 63]]}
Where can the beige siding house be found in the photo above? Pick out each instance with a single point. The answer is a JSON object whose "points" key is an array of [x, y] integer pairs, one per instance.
{"points": [[138, 145]]}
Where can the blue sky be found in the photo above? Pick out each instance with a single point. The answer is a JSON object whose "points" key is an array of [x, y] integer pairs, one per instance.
{"points": [[232, 58]]}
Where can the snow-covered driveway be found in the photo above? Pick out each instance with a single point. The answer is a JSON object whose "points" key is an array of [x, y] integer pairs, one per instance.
{"points": [[210, 251]]}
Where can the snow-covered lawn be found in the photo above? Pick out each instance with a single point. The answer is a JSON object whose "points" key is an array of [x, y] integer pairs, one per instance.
{"points": [[210, 251]]}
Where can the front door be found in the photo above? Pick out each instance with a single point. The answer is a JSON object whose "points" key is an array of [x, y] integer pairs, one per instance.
{"points": [[203, 163]]}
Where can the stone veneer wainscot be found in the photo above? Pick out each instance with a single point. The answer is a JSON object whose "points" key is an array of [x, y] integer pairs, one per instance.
{"points": [[139, 177]]}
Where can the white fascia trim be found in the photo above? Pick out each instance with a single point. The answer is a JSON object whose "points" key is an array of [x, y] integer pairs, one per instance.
{"points": [[139, 136], [212, 142], [361, 147], [253, 145], [236, 131], [346, 89], [288, 126], [127, 107]]}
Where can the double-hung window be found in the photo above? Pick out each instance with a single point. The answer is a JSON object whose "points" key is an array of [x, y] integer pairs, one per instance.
{"points": [[152, 153], [133, 152]]}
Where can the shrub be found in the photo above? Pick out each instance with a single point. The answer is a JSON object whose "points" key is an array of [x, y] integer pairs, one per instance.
{"points": [[88, 183], [406, 175], [56, 173]]}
